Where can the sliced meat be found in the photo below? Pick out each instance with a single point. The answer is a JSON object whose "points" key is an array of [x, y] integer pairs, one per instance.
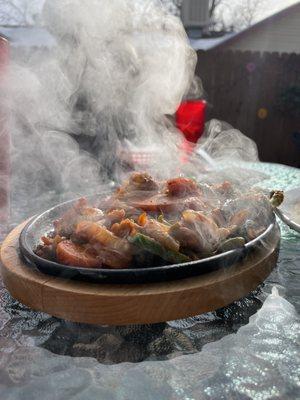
{"points": [[165, 204], [182, 187], [201, 234], [157, 203], [113, 258], [187, 238], [69, 253]]}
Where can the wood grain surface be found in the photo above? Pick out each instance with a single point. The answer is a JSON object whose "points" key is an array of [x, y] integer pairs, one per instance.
{"points": [[109, 304]]}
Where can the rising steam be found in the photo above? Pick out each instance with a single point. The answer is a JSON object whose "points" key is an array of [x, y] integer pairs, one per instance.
{"points": [[119, 69]]}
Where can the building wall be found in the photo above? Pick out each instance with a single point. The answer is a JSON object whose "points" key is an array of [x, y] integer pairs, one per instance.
{"points": [[280, 35]]}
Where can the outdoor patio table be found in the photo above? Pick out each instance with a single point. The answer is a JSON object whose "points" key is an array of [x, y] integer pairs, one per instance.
{"points": [[212, 356]]}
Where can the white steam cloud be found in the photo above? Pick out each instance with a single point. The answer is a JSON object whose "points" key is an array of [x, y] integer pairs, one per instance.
{"points": [[119, 69]]}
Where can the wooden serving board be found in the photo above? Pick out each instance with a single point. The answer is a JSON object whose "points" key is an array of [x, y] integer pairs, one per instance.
{"points": [[109, 304]]}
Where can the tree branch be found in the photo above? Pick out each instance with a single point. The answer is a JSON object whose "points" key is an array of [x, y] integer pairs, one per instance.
{"points": [[16, 11], [213, 5]]}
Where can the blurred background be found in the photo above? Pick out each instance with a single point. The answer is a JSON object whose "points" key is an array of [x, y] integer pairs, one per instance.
{"points": [[248, 61]]}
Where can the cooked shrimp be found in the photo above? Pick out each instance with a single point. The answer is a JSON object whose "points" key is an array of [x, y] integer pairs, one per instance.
{"points": [[125, 228], [106, 242], [79, 212], [115, 216], [96, 233]]}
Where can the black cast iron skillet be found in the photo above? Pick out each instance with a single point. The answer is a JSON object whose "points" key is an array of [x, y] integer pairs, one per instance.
{"points": [[43, 224]]}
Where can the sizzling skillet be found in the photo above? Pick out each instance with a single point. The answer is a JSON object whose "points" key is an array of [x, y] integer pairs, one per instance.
{"points": [[43, 224]]}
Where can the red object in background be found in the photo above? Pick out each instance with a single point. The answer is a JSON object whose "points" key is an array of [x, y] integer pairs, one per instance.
{"points": [[190, 119], [4, 143]]}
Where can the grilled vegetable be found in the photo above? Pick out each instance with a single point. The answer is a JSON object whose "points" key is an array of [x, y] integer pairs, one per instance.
{"points": [[150, 245], [159, 232], [232, 243]]}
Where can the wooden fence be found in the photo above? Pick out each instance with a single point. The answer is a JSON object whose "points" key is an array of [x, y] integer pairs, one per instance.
{"points": [[258, 94]]}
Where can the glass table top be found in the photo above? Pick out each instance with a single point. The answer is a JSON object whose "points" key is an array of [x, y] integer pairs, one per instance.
{"points": [[248, 350]]}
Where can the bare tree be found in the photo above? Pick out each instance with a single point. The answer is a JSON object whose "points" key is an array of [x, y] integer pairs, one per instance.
{"points": [[213, 7], [213, 16], [246, 12], [235, 15], [19, 12]]}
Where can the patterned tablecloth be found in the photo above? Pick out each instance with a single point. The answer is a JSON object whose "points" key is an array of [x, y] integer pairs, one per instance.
{"points": [[218, 355]]}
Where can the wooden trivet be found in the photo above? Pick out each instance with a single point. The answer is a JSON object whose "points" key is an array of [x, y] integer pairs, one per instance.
{"points": [[109, 304]]}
